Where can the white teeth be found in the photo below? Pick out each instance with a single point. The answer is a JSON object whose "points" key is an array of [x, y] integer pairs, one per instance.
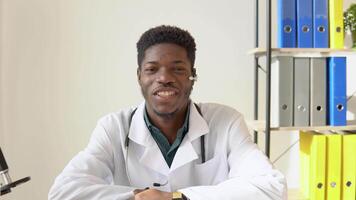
{"points": [[165, 93]]}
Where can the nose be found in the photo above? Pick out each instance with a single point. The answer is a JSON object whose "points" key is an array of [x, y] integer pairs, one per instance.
{"points": [[165, 76]]}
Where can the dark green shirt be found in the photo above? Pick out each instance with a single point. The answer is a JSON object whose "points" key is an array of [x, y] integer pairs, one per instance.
{"points": [[168, 150]]}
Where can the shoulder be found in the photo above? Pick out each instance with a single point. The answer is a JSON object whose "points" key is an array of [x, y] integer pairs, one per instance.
{"points": [[114, 126], [218, 110], [117, 119], [226, 125], [220, 116]]}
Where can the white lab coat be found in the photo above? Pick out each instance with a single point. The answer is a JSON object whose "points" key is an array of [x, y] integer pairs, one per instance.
{"points": [[234, 169]]}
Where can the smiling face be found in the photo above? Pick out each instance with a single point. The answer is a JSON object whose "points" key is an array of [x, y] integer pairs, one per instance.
{"points": [[163, 77]]}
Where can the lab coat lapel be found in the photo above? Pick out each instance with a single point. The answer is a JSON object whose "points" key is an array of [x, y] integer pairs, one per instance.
{"points": [[186, 151], [139, 133]]}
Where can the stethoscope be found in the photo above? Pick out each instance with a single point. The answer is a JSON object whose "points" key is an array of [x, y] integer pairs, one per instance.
{"points": [[127, 142]]}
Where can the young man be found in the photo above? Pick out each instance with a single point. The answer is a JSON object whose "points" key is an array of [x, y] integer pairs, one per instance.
{"points": [[169, 147]]}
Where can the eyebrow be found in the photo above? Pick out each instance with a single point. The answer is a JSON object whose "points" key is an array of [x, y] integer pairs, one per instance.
{"points": [[178, 62], [174, 62], [151, 62]]}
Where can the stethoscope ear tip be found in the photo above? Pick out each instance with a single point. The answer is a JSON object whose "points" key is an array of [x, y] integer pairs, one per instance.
{"points": [[127, 141]]}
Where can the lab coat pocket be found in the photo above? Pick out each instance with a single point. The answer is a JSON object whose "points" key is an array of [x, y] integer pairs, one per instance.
{"points": [[212, 171]]}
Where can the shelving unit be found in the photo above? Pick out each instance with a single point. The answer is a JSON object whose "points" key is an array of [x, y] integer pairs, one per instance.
{"points": [[269, 52]]}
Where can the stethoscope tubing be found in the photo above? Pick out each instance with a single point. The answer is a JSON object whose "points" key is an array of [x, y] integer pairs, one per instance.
{"points": [[127, 144]]}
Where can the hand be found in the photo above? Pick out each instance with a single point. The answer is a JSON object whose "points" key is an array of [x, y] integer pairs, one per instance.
{"points": [[152, 194]]}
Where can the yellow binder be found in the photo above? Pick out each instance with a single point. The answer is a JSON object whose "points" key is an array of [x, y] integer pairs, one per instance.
{"points": [[317, 167], [349, 167], [304, 153], [333, 166], [336, 24], [313, 165]]}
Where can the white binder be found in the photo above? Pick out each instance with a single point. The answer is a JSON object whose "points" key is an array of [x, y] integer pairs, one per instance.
{"points": [[282, 91], [318, 91], [301, 91]]}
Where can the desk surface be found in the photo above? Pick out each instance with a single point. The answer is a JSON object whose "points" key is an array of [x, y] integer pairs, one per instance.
{"points": [[295, 194]]}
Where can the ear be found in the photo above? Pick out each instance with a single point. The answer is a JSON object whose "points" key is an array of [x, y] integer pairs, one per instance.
{"points": [[194, 72], [138, 72]]}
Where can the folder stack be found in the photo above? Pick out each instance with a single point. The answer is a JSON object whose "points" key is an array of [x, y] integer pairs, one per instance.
{"points": [[328, 165], [308, 91], [310, 23]]}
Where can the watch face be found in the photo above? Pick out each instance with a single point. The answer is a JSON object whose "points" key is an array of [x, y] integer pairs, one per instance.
{"points": [[177, 195]]}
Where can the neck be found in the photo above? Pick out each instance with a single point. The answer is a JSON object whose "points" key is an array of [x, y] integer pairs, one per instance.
{"points": [[169, 124]]}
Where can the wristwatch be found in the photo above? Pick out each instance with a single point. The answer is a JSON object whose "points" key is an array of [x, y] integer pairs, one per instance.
{"points": [[179, 196]]}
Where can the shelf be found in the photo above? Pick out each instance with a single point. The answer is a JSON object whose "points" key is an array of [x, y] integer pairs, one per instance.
{"points": [[303, 52], [295, 194], [260, 126]]}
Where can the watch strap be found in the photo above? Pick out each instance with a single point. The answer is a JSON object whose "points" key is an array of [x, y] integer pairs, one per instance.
{"points": [[179, 196]]}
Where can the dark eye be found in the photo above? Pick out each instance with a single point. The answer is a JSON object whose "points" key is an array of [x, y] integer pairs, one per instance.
{"points": [[150, 69], [179, 69]]}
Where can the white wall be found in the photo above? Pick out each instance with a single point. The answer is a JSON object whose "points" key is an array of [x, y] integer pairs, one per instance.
{"points": [[65, 63], [1, 88]]}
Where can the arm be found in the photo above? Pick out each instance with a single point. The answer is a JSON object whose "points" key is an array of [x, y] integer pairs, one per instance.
{"points": [[152, 194], [89, 175], [251, 175]]}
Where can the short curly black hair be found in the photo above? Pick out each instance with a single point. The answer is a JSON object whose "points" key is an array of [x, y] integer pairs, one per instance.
{"points": [[166, 34]]}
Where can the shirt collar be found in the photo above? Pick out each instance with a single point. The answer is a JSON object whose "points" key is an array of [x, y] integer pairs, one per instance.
{"points": [[139, 133], [150, 126]]}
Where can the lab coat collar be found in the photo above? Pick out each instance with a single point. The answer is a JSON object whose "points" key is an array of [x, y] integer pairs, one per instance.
{"points": [[152, 156], [139, 132], [186, 152], [197, 124]]}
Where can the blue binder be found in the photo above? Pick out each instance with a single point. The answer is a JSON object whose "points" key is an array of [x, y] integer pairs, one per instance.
{"points": [[287, 35], [337, 91], [321, 24], [305, 23]]}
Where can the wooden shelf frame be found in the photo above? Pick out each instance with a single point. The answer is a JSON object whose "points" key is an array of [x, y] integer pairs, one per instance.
{"points": [[259, 126], [303, 52]]}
